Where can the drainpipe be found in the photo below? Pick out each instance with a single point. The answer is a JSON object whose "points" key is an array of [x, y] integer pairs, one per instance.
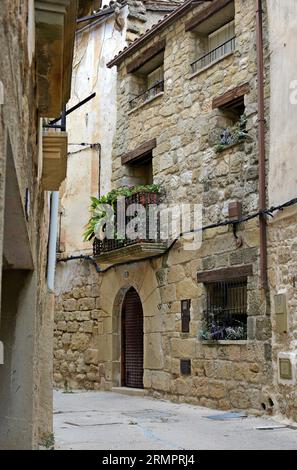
{"points": [[53, 234], [261, 143]]}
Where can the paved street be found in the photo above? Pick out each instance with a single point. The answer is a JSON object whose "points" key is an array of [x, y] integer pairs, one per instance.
{"points": [[99, 420]]}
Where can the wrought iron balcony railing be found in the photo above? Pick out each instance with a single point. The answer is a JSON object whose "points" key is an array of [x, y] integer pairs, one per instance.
{"points": [[215, 54], [146, 199], [147, 95]]}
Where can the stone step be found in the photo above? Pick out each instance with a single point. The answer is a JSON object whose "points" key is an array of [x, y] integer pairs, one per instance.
{"points": [[132, 392]]}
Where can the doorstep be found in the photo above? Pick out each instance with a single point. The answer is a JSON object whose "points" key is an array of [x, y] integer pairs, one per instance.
{"points": [[132, 392]]}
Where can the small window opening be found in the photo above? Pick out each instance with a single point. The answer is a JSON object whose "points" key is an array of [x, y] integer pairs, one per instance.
{"points": [[226, 311]]}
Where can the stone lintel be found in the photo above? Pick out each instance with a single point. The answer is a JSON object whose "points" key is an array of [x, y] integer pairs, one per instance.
{"points": [[139, 151], [230, 96], [225, 274], [145, 56]]}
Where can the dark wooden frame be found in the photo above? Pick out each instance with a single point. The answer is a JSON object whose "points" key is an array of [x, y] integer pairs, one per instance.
{"points": [[139, 152], [145, 56], [207, 13], [230, 96], [225, 274]]}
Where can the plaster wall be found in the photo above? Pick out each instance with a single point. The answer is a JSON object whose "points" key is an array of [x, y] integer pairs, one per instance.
{"points": [[94, 123], [282, 187], [282, 18]]}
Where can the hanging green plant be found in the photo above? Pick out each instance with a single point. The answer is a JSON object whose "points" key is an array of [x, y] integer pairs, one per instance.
{"points": [[97, 210]]}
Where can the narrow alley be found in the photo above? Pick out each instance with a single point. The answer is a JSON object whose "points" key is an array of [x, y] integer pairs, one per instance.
{"points": [[108, 420]]}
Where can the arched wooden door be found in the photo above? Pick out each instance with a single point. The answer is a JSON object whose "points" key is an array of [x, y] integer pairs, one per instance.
{"points": [[132, 341]]}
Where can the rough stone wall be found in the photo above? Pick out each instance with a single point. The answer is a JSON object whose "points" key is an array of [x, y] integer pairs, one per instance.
{"points": [[282, 279], [186, 165], [26, 412], [78, 326]]}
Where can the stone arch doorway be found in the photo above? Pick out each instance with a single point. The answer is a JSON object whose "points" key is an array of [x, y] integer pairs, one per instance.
{"points": [[132, 338]]}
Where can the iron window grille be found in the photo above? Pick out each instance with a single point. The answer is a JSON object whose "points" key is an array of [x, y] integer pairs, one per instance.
{"points": [[185, 366], [215, 54], [226, 310], [147, 95]]}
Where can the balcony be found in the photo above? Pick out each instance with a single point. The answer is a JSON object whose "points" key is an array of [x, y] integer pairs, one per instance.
{"points": [[156, 90], [214, 55], [114, 251]]}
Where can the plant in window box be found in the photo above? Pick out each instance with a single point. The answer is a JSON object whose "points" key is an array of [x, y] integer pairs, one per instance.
{"points": [[233, 135], [145, 194], [215, 331]]}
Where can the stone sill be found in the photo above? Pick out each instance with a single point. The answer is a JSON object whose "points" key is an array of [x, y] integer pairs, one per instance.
{"points": [[231, 146], [225, 342], [146, 102], [215, 62]]}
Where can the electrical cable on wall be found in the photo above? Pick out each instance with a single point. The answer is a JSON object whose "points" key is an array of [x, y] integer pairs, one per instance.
{"points": [[86, 146], [246, 218]]}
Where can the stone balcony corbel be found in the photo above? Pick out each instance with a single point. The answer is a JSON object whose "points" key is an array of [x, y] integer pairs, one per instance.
{"points": [[54, 148]]}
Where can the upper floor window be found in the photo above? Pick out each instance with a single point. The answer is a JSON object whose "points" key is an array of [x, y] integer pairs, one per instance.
{"points": [[155, 77], [147, 75], [213, 32], [146, 86], [221, 42], [139, 164]]}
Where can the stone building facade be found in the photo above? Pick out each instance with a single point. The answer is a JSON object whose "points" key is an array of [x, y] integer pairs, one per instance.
{"points": [[171, 131], [31, 80], [89, 171]]}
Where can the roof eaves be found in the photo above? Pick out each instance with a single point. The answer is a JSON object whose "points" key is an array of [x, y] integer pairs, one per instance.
{"points": [[162, 24]]}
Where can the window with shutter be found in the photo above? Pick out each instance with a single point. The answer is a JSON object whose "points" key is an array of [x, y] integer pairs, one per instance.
{"points": [[221, 42], [155, 77]]}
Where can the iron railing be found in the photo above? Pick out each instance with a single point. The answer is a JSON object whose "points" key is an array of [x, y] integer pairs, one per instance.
{"points": [[226, 311], [147, 95], [146, 199], [215, 54]]}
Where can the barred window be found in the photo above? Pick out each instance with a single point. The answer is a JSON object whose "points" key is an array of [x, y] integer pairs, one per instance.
{"points": [[226, 310]]}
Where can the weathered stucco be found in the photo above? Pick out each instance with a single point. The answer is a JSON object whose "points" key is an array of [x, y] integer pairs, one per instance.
{"points": [[282, 17], [282, 187], [26, 311]]}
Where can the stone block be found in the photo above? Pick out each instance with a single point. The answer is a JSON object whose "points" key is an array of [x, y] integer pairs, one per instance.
{"points": [[82, 316], [80, 341], [72, 327], [153, 354], [61, 326], [160, 381], [183, 348], [186, 289], [86, 304], [217, 390], [70, 305], [104, 345], [87, 326]]}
